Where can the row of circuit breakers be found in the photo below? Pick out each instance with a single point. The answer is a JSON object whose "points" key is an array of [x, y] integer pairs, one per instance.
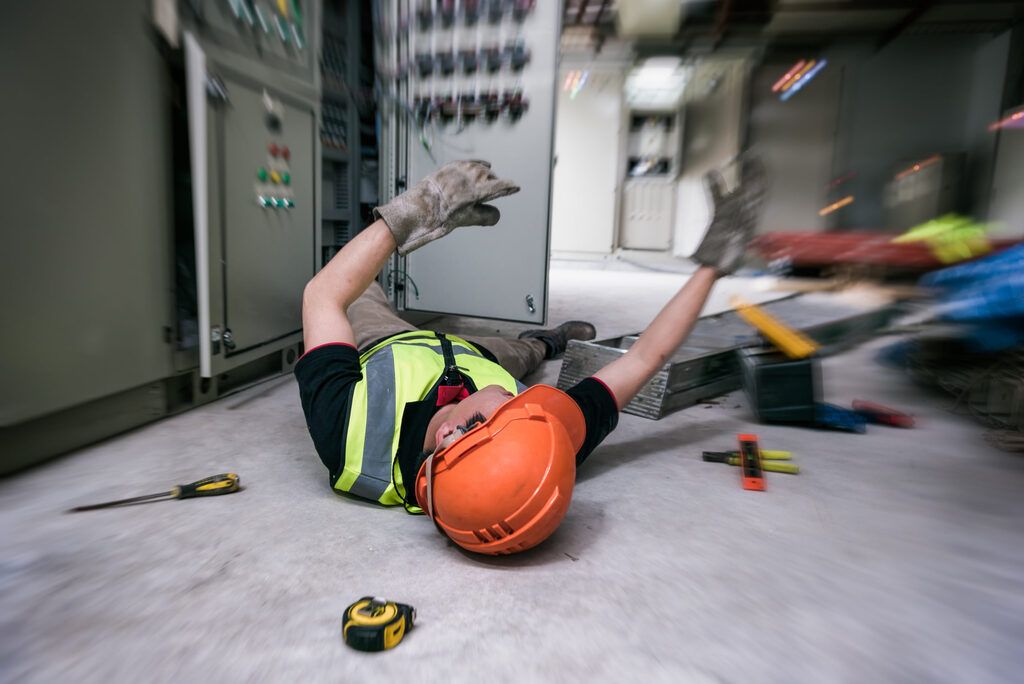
{"points": [[443, 11], [284, 18], [438, 22]]}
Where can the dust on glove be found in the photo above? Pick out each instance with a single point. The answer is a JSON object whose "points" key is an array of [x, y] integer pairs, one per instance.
{"points": [[453, 196], [734, 218]]}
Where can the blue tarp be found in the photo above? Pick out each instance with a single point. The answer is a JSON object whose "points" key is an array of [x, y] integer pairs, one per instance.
{"points": [[986, 295]]}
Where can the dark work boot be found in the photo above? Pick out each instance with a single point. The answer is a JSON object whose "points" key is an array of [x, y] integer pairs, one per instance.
{"points": [[556, 339]]}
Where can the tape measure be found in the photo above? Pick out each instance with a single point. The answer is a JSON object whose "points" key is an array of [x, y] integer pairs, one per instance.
{"points": [[376, 624]]}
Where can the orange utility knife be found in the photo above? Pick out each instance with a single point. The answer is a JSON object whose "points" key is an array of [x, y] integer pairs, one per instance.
{"points": [[750, 463]]}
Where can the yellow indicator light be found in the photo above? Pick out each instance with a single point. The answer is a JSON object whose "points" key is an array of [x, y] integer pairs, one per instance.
{"points": [[918, 166], [836, 205]]}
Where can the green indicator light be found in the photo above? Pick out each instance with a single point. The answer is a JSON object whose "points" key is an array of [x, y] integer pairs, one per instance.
{"points": [[262, 174], [286, 178]]}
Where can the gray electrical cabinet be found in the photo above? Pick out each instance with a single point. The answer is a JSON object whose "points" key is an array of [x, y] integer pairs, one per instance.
{"points": [[252, 87], [168, 213], [473, 79]]}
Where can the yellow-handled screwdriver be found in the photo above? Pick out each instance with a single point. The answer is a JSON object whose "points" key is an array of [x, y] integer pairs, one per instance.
{"points": [[766, 455], [770, 466], [225, 483], [769, 460]]}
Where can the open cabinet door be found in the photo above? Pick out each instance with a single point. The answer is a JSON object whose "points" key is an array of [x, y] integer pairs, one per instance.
{"points": [[255, 170], [498, 272]]}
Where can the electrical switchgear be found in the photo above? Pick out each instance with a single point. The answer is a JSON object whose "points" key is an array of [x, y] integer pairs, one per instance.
{"points": [[473, 79]]}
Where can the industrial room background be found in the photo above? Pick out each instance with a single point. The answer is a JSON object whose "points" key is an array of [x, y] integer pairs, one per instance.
{"points": [[238, 142], [235, 145]]}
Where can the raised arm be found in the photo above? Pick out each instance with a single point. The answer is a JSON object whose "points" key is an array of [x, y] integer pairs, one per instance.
{"points": [[626, 375], [453, 196], [721, 251], [331, 291]]}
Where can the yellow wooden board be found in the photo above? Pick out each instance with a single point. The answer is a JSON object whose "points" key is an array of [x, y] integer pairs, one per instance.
{"points": [[792, 343]]}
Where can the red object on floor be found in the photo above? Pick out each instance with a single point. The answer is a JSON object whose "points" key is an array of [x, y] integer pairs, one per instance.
{"points": [[867, 248], [883, 415]]}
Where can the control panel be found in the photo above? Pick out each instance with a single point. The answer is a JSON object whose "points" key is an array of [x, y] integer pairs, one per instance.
{"points": [[475, 79], [267, 217], [273, 185], [253, 104], [465, 64]]}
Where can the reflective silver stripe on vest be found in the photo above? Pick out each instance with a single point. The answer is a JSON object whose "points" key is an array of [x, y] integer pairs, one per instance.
{"points": [[375, 473]]}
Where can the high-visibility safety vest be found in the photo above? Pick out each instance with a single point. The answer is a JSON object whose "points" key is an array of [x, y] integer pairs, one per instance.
{"points": [[403, 368]]}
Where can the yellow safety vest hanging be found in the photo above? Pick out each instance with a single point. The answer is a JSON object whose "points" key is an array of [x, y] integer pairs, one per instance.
{"points": [[401, 369]]}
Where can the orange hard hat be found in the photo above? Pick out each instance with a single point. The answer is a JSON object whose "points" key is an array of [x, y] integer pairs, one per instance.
{"points": [[505, 485]]}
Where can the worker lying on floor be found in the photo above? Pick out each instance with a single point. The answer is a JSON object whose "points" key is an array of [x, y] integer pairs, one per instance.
{"points": [[440, 423]]}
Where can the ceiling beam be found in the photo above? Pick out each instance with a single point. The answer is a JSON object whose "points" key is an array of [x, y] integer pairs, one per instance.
{"points": [[721, 23], [581, 10], [903, 24]]}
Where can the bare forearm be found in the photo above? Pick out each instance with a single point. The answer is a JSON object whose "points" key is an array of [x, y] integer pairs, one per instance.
{"points": [[674, 322], [626, 375], [345, 277]]}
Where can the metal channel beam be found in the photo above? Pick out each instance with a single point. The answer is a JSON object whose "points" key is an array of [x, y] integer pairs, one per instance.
{"points": [[707, 365]]}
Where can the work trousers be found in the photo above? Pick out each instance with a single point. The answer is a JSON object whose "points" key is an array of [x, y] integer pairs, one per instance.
{"points": [[372, 318]]}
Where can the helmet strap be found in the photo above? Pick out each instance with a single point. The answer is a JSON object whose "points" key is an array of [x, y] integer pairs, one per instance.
{"points": [[430, 494]]}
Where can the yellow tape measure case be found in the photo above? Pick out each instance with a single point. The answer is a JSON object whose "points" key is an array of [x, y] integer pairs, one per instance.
{"points": [[374, 624]]}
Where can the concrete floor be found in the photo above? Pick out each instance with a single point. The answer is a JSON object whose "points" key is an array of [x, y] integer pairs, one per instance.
{"points": [[896, 556]]}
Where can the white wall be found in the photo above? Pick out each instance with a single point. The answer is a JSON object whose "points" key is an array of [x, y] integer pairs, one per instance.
{"points": [[590, 135], [712, 135], [589, 163]]}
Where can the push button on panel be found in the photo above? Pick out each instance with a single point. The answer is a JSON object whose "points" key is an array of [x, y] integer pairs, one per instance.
{"points": [[268, 202]]}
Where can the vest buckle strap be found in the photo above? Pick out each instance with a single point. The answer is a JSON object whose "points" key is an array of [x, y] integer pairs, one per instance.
{"points": [[452, 385]]}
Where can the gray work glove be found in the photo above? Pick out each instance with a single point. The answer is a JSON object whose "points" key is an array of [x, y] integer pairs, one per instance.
{"points": [[451, 197], [735, 215]]}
